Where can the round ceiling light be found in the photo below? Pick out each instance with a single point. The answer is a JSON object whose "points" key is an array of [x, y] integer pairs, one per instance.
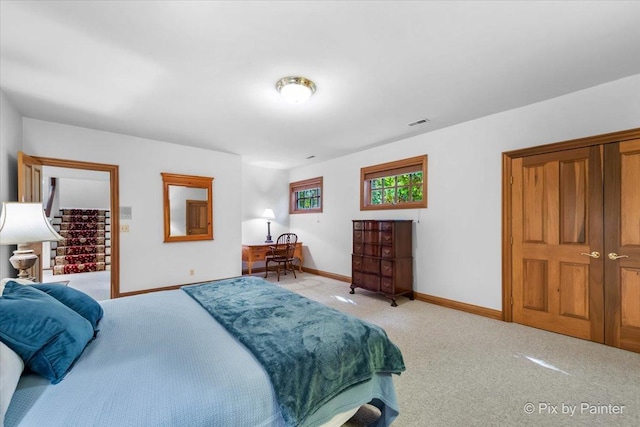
{"points": [[295, 90]]}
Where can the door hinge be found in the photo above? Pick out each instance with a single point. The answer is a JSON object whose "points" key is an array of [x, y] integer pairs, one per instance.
{"points": [[510, 180], [511, 300], [511, 240]]}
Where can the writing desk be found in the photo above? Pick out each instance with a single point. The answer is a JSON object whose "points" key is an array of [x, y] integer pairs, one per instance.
{"points": [[258, 252]]}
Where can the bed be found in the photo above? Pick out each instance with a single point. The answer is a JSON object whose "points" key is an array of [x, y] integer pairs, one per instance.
{"points": [[188, 357]]}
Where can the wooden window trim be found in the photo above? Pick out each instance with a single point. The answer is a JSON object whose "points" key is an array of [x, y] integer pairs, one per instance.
{"points": [[306, 184], [389, 169]]}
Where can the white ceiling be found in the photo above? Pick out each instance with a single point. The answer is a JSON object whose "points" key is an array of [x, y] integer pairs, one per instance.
{"points": [[203, 73]]}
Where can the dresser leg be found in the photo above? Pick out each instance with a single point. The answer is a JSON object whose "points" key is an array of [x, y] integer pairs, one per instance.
{"points": [[393, 302], [352, 291]]}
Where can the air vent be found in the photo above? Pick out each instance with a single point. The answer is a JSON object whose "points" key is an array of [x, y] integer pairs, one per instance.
{"points": [[419, 122]]}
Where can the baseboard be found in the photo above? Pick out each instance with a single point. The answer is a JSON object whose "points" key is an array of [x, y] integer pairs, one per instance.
{"points": [[333, 276], [146, 291], [254, 270], [165, 288], [469, 308], [308, 270], [456, 305]]}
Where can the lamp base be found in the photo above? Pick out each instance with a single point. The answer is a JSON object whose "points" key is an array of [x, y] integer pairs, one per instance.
{"points": [[22, 260], [268, 233]]}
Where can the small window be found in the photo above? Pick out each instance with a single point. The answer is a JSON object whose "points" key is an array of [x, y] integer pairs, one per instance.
{"points": [[305, 196], [395, 185]]}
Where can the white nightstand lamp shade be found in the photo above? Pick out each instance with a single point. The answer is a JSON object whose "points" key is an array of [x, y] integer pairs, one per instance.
{"points": [[23, 223]]}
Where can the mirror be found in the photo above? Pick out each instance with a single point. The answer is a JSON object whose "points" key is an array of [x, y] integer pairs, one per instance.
{"points": [[188, 211]]}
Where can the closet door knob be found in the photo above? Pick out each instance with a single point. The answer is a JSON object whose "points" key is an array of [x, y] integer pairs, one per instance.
{"points": [[594, 254], [614, 256]]}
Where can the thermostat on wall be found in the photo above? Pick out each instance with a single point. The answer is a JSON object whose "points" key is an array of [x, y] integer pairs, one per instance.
{"points": [[125, 212]]}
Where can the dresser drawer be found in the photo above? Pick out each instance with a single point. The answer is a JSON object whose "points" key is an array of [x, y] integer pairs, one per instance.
{"points": [[371, 265], [386, 285], [371, 282], [356, 263], [357, 225], [358, 235], [386, 238], [367, 281], [387, 268], [371, 237], [356, 278], [387, 252], [259, 254], [371, 250], [370, 225], [386, 225], [358, 248]]}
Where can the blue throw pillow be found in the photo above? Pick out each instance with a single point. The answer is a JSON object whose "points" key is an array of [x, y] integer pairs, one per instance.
{"points": [[76, 300], [45, 333]]}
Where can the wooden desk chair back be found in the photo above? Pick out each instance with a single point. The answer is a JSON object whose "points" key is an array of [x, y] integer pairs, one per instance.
{"points": [[282, 254]]}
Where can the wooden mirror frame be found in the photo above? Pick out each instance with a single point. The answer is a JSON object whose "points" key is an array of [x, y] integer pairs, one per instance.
{"points": [[203, 182]]}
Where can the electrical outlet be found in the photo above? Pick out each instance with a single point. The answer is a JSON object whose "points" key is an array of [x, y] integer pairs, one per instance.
{"points": [[124, 228]]}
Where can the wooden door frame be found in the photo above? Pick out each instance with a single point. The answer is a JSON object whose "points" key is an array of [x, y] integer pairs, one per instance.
{"points": [[507, 157], [114, 206]]}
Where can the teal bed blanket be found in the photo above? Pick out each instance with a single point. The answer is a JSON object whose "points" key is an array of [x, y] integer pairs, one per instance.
{"points": [[311, 352]]}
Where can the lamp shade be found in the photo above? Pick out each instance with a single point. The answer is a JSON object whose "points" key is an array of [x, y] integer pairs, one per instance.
{"points": [[268, 214], [25, 223]]}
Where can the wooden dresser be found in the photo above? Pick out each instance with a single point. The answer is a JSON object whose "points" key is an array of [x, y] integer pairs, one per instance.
{"points": [[382, 259]]}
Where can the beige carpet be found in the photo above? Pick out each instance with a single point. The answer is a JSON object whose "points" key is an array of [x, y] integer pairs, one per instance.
{"points": [[468, 370]]}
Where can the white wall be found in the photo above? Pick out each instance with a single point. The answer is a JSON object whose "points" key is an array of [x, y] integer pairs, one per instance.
{"points": [[145, 261], [76, 188], [10, 144], [83, 194], [264, 188], [457, 239]]}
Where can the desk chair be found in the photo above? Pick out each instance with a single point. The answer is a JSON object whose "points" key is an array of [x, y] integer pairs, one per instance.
{"points": [[282, 254]]}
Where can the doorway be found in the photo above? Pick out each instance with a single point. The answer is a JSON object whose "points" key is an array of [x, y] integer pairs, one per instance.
{"points": [[571, 238], [29, 190]]}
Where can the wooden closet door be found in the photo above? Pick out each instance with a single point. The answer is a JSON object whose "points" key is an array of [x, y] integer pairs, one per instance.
{"points": [[622, 244], [557, 259]]}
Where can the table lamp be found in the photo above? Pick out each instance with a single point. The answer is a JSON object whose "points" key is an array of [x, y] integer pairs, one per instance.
{"points": [[21, 224], [269, 215]]}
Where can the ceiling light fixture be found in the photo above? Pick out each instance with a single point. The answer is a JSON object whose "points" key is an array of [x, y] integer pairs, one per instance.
{"points": [[295, 90]]}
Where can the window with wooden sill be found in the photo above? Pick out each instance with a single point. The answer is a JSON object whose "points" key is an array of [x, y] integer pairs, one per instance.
{"points": [[400, 184], [305, 196]]}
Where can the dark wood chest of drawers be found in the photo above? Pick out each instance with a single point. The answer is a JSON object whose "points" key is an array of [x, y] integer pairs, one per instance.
{"points": [[382, 259]]}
